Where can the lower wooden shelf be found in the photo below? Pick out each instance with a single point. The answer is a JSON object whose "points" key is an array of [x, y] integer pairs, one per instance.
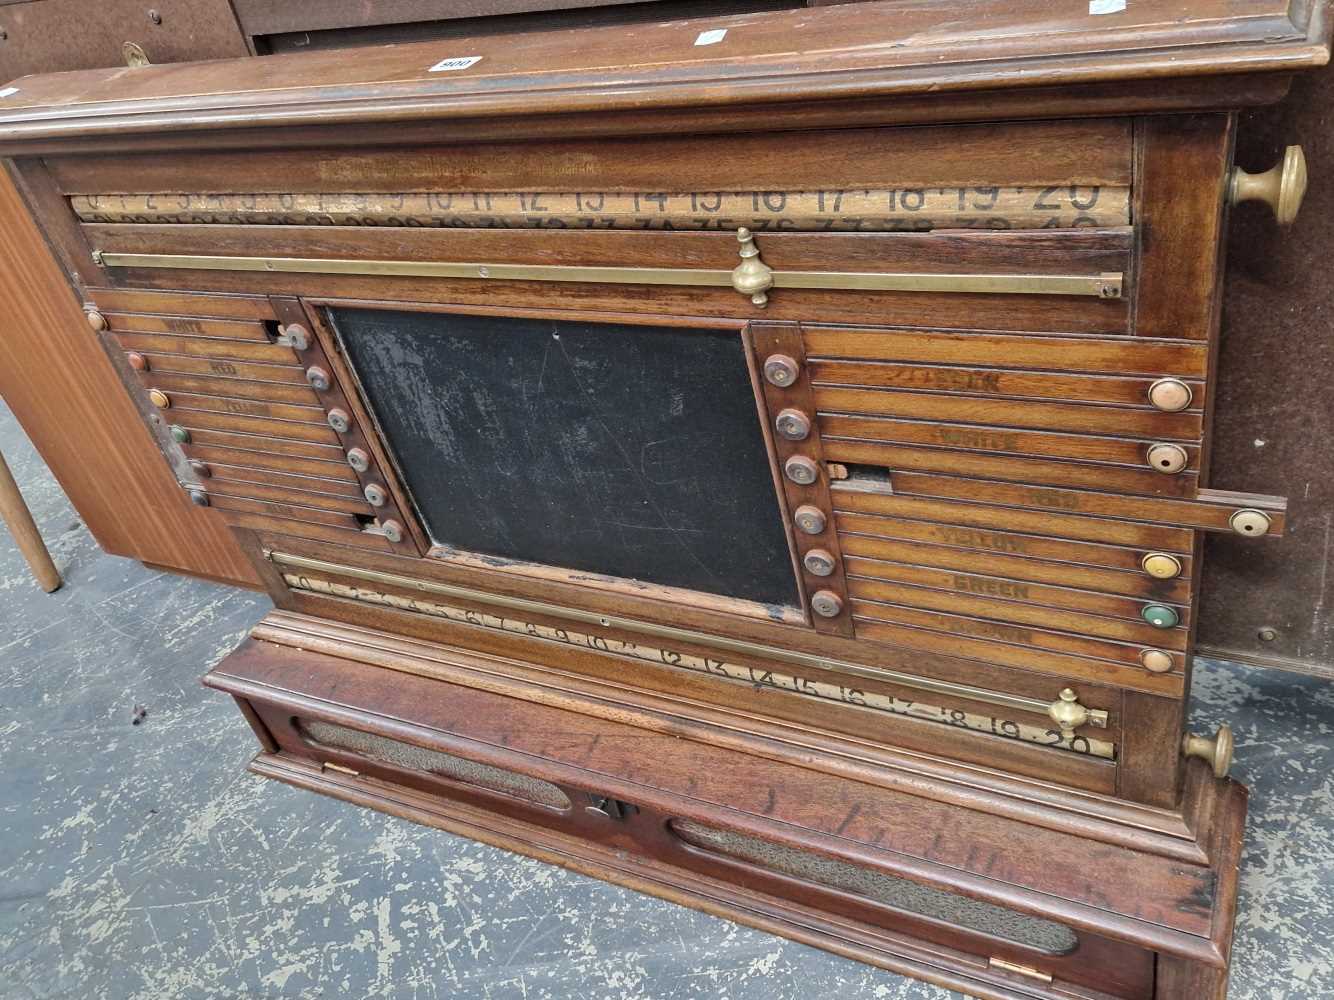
{"points": [[913, 876]]}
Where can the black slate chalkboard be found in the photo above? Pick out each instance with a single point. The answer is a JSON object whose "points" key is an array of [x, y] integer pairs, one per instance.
{"points": [[625, 450]]}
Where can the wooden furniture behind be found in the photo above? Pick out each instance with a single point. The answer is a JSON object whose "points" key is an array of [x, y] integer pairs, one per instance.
{"points": [[770, 475]]}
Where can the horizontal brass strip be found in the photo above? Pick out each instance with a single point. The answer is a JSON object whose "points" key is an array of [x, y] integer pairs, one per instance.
{"points": [[1105, 286], [744, 647]]}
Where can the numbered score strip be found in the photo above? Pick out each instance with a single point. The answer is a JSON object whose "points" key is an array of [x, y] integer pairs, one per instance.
{"points": [[887, 210], [822, 690]]}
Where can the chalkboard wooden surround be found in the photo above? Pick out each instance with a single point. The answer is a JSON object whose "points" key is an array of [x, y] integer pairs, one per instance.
{"points": [[625, 450]]}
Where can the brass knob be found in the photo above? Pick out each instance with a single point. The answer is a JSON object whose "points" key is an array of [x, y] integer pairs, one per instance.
{"points": [[1171, 395], [1069, 714], [1217, 751], [96, 320], [1283, 187], [752, 276]]}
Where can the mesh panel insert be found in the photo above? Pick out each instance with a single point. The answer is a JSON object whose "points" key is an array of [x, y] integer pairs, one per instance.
{"points": [[331, 736], [901, 894]]}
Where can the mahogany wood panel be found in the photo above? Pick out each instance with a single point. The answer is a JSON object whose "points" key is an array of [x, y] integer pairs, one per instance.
{"points": [[54, 375]]}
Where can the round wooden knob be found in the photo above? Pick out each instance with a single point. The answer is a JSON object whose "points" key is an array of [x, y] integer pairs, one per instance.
{"points": [[1282, 187], [1217, 751], [826, 604], [819, 562], [801, 470]]}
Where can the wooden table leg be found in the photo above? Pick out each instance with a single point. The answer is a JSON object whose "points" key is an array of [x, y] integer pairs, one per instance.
{"points": [[16, 514]]}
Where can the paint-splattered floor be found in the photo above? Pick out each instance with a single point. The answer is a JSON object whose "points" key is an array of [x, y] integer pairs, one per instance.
{"points": [[142, 861]]}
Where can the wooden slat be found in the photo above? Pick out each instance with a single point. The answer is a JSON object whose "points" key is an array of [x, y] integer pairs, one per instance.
{"points": [[1026, 639], [1115, 356], [1008, 542], [974, 381], [1085, 153], [268, 477], [1059, 574], [306, 529], [187, 326], [1034, 414], [957, 582], [231, 388], [257, 426], [287, 495], [173, 303], [204, 347], [247, 407], [338, 470], [965, 437], [244, 505], [182, 364], [1041, 251], [266, 444], [1015, 613], [1050, 472], [977, 515], [992, 651], [1211, 510]]}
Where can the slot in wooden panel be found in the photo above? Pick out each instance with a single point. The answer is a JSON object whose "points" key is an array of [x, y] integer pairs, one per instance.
{"points": [[1043, 352], [849, 498], [1059, 574], [967, 437], [188, 326], [181, 364], [279, 463], [312, 484], [247, 407], [1212, 514], [1040, 251], [320, 433], [969, 584], [1014, 613], [245, 505], [203, 347], [1026, 638], [306, 529], [975, 381], [231, 388], [1026, 658], [1033, 414], [286, 495], [173, 303], [1024, 470], [266, 444], [1007, 542]]}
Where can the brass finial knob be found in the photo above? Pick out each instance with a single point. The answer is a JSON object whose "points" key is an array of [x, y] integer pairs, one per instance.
{"points": [[752, 276], [1217, 751], [1282, 187], [1069, 714]]}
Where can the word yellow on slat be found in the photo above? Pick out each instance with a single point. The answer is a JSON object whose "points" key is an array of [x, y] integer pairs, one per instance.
{"points": [[823, 690], [889, 210]]}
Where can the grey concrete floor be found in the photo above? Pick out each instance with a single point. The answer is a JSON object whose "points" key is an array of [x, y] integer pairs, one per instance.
{"points": [[143, 862]]}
